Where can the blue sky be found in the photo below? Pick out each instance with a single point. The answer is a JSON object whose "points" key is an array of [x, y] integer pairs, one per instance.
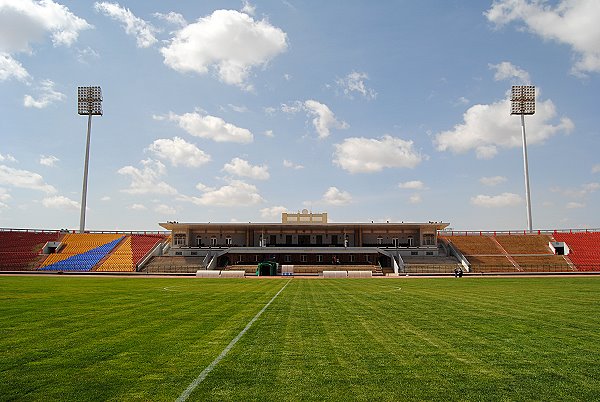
{"points": [[236, 111]]}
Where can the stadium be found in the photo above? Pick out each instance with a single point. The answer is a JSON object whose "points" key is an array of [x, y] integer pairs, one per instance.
{"points": [[192, 276], [306, 244], [184, 315]]}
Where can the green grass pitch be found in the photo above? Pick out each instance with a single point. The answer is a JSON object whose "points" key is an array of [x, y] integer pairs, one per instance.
{"points": [[76, 339]]}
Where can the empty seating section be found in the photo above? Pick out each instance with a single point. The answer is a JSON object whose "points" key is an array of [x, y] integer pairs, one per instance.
{"points": [[584, 249], [174, 264], [428, 264], [486, 263], [525, 244], [141, 245], [475, 245], [544, 263], [20, 250], [81, 251], [130, 252], [119, 260], [488, 253]]}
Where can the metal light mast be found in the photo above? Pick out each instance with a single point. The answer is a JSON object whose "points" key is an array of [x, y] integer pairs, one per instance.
{"points": [[89, 103], [523, 102]]}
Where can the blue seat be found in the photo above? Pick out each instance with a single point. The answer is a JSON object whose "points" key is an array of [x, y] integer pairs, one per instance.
{"points": [[85, 261]]}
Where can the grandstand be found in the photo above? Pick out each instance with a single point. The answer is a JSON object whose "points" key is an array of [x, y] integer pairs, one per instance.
{"points": [[20, 249], [130, 253], [584, 249], [29, 250], [81, 252], [519, 252], [477, 252]]}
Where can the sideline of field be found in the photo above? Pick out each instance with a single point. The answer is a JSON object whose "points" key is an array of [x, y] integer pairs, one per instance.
{"points": [[511, 274]]}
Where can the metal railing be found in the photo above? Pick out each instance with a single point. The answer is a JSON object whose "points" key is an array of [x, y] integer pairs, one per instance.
{"points": [[449, 233]]}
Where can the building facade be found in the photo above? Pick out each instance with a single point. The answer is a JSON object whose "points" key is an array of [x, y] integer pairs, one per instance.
{"points": [[304, 238]]}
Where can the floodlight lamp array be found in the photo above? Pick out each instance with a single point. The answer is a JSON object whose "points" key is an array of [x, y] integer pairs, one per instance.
{"points": [[89, 101], [522, 99]]}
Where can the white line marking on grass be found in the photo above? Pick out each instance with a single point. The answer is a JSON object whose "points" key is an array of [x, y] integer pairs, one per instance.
{"points": [[186, 394]]}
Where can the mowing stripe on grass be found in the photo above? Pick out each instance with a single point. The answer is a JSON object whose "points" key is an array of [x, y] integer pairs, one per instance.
{"points": [[186, 394]]}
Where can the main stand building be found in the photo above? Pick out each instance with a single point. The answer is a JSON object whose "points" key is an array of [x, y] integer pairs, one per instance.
{"points": [[304, 238]]}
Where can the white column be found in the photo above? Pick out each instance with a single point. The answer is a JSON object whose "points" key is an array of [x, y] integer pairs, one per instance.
{"points": [[526, 168], [85, 176]]}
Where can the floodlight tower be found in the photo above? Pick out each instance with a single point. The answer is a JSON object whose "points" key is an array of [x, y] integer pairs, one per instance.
{"points": [[523, 102], [89, 103]]}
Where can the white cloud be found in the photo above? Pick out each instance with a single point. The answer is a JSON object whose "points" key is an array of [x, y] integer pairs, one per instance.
{"points": [[4, 195], [292, 108], [248, 8], [49, 160], [204, 188], [147, 180], [291, 165], [172, 18], [572, 22], [11, 68], [138, 207], [86, 55], [24, 179], [105, 198], [496, 201], [270, 110], [179, 152], [492, 181], [461, 101], [355, 82], [580, 192], [47, 96], [228, 41], [508, 71], [595, 168], [60, 202], [591, 187], [236, 108], [485, 128], [368, 155], [269, 133], [7, 158], [334, 196], [23, 22], [486, 151], [236, 193], [142, 30], [412, 185], [165, 209], [210, 127], [272, 212], [324, 119], [242, 168], [575, 205], [415, 199]]}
